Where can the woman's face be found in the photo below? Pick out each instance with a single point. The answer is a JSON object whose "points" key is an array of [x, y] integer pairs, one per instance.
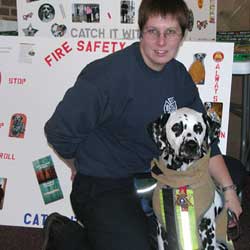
{"points": [[161, 38]]}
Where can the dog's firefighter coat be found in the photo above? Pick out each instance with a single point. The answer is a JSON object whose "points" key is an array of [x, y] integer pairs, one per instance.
{"points": [[186, 201], [180, 201]]}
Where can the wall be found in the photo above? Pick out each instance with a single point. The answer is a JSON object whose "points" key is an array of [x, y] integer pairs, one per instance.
{"points": [[234, 15], [8, 10]]}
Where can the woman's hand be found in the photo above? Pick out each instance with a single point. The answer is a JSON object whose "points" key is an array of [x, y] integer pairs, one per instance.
{"points": [[232, 202], [71, 164]]}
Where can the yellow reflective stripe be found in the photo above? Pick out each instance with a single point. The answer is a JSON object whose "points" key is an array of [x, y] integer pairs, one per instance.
{"points": [[230, 244], [162, 208], [186, 223]]}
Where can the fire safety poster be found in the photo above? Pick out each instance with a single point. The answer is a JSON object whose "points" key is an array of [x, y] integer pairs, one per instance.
{"points": [[35, 72]]}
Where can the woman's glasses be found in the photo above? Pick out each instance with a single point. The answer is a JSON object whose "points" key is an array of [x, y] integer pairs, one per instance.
{"points": [[168, 34]]}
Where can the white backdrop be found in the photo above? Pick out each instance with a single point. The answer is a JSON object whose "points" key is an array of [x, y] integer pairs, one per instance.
{"points": [[107, 23], [33, 79]]}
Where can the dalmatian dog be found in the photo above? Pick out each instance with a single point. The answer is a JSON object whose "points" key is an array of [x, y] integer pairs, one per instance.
{"points": [[183, 137], [18, 126]]}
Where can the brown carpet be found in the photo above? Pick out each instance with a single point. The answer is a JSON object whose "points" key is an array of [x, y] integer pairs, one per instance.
{"points": [[22, 238]]}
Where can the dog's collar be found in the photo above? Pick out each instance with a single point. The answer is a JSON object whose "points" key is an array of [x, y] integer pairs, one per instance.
{"points": [[192, 176]]}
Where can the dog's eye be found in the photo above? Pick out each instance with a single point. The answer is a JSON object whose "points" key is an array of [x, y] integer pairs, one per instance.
{"points": [[177, 128], [198, 128]]}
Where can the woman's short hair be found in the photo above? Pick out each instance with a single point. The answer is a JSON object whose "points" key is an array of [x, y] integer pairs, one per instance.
{"points": [[176, 8]]}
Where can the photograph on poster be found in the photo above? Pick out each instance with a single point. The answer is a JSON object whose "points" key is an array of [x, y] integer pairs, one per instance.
{"points": [[197, 69], [3, 182], [47, 179], [127, 12], [58, 30], [17, 125], [89, 13], [214, 110], [26, 53], [46, 12]]}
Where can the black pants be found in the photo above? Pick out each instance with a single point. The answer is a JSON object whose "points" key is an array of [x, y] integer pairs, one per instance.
{"points": [[113, 216], [111, 212]]}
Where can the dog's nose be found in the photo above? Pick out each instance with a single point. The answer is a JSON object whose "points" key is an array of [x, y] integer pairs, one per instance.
{"points": [[191, 146]]}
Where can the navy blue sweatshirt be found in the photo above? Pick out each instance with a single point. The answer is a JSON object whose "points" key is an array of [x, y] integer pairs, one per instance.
{"points": [[102, 120]]}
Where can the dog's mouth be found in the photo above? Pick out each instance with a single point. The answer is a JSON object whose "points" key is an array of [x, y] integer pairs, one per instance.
{"points": [[190, 150]]}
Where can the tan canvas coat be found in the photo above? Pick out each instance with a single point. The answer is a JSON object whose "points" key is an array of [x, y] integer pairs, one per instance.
{"points": [[199, 180]]}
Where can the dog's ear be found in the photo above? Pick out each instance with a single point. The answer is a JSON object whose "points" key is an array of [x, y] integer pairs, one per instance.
{"points": [[213, 128], [157, 132]]}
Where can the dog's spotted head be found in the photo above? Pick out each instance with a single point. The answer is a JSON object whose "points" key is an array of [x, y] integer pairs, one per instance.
{"points": [[183, 136]]}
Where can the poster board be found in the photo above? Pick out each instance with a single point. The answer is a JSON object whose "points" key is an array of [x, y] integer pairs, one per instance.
{"points": [[107, 20], [33, 79]]}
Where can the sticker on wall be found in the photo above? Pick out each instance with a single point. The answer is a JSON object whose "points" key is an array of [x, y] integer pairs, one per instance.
{"points": [[3, 182], [17, 125], [127, 12], [26, 53], [58, 30], [27, 16], [218, 56], [47, 179], [197, 69], [201, 24], [46, 12], [30, 31], [200, 3]]}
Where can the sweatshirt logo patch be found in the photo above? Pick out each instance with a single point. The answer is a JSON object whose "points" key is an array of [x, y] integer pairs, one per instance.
{"points": [[170, 105]]}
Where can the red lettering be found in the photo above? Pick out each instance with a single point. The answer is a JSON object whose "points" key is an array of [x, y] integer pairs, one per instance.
{"points": [[48, 60], [17, 80], [222, 134], [96, 45], [53, 54], [66, 47], [122, 44], [7, 156], [58, 53], [105, 47], [217, 78], [113, 46], [80, 45], [88, 48]]}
